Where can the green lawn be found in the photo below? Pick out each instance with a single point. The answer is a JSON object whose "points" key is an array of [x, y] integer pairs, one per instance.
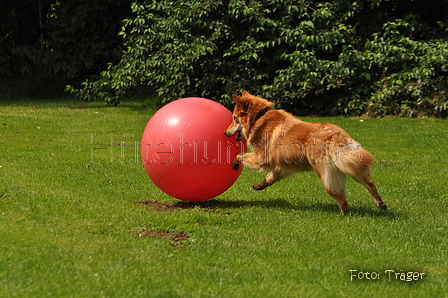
{"points": [[70, 174]]}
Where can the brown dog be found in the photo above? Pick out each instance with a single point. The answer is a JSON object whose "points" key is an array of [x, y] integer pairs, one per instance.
{"points": [[283, 144]]}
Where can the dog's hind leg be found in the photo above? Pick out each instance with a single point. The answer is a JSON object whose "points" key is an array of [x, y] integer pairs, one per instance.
{"points": [[368, 183], [333, 181], [340, 198], [360, 171]]}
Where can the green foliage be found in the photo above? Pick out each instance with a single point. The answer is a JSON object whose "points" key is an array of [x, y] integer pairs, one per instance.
{"points": [[20, 39], [82, 34], [418, 84], [340, 57], [60, 39]]}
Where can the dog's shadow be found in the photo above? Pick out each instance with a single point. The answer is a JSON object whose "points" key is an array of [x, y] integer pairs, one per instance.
{"points": [[360, 211]]}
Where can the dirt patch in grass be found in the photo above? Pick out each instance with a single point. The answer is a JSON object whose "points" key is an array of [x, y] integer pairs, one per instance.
{"points": [[163, 234], [173, 236], [171, 207], [159, 206]]}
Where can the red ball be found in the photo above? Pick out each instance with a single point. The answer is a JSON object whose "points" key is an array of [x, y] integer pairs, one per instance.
{"points": [[185, 152]]}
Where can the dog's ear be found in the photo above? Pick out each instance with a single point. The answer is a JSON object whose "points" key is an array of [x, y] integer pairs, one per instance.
{"points": [[245, 93], [236, 98], [242, 104]]}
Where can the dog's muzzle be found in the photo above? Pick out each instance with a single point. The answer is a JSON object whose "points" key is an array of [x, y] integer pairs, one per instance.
{"points": [[240, 137]]}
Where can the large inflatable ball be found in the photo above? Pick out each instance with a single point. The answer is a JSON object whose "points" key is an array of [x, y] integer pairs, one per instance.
{"points": [[185, 152]]}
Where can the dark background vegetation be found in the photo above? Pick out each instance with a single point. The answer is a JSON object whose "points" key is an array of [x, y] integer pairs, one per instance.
{"points": [[374, 57]]}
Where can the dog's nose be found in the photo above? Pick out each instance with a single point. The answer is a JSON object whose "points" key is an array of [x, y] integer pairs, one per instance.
{"points": [[225, 133]]}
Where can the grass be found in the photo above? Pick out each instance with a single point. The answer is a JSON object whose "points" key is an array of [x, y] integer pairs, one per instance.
{"points": [[68, 225]]}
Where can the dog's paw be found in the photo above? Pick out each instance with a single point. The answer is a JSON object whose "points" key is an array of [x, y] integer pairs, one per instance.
{"points": [[382, 206], [235, 165], [258, 187]]}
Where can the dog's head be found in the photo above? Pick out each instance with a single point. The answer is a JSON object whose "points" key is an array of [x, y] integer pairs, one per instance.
{"points": [[248, 109]]}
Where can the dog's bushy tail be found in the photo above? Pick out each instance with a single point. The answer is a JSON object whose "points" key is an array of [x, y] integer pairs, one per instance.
{"points": [[354, 160]]}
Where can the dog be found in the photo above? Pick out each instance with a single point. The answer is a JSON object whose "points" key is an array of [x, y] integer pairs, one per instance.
{"points": [[283, 145]]}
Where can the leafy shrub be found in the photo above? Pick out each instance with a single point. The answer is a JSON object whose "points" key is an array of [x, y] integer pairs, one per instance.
{"points": [[340, 57], [82, 34], [49, 39]]}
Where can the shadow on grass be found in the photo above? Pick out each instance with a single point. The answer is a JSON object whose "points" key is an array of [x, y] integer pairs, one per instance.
{"points": [[359, 211]]}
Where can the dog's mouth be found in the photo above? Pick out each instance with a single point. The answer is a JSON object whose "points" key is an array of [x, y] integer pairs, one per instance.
{"points": [[240, 137]]}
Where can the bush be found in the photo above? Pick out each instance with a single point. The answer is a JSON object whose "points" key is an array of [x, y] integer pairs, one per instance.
{"points": [[59, 40], [341, 57]]}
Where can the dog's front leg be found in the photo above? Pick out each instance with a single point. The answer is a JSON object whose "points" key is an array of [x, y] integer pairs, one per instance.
{"points": [[270, 179], [237, 161], [248, 159]]}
